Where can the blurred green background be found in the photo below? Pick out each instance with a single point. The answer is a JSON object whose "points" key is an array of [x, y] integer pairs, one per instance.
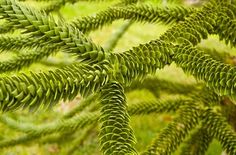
{"points": [[145, 127]]}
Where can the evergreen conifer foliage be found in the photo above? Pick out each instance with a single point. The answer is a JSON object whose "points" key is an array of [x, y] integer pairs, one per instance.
{"points": [[102, 77]]}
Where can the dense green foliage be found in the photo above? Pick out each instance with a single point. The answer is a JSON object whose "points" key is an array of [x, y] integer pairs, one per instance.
{"points": [[204, 111]]}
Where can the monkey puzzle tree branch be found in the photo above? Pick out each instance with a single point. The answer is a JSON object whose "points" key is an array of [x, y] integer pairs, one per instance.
{"points": [[80, 121], [166, 143]]}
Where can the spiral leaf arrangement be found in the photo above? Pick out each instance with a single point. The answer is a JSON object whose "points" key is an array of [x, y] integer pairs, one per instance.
{"points": [[102, 77]]}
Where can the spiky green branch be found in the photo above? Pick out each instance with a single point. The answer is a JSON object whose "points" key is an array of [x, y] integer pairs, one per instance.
{"points": [[198, 142], [166, 142], [116, 136], [80, 121], [218, 127], [142, 13], [38, 24]]}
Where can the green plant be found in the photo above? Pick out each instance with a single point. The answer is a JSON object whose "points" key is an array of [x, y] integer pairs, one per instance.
{"points": [[101, 76]]}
